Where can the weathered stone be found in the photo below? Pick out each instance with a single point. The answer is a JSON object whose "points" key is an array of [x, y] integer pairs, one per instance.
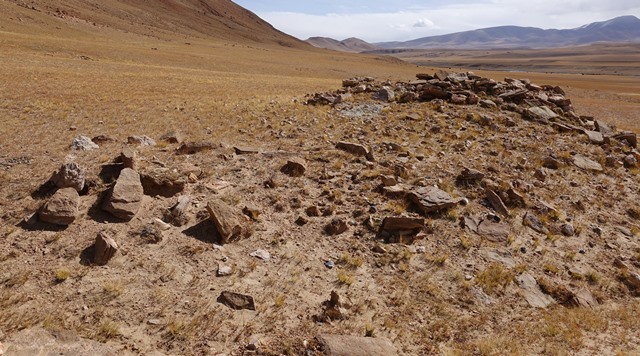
{"points": [[470, 176], [142, 140], [237, 301], [430, 199], [541, 174], [102, 139], [172, 137], [355, 149], [83, 143], [540, 113], [105, 248], [62, 207], [515, 198], [496, 203], [342, 345], [396, 191], [458, 99], [178, 213], [488, 104], [336, 227], [295, 167], [630, 161], [430, 92], [128, 157], [532, 293], [261, 254], [594, 137], [313, 211], [189, 148], [162, 182], [534, 223], [224, 270], [385, 94], [70, 175], [126, 196], [631, 138], [229, 223], [551, 163], [585, 163], [567, 230], [585, 299], [603, 128], [245, 150], [402, 223], [388, 181], [493, 231]]}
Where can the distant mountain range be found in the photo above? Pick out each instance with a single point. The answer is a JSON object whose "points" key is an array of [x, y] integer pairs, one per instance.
{"points": [[349, 45], [619, 29]]}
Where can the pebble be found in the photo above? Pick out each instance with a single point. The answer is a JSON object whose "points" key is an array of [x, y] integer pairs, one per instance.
{"points": [[329, 264], [261, 254]]}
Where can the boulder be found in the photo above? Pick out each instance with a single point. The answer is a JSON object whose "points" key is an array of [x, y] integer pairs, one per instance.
{"points": [[603, 128], [228, 221], [532, 293], [594, 137], [356, 149], [540, 113], [141, 140], [295, 167], [431, 199], [128, 158], [631, 138], [385, 94], [83, 143], [126, 196], [105, 248], [62, 207], [343, 345], [587, 164], [70, 175], [401, 229], [162, 182]]}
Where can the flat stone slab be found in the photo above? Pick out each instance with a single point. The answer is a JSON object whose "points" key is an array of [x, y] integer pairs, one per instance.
{"points": [[532, 293], [431, 199], [126, 197], [587, 164], [343, 345]]}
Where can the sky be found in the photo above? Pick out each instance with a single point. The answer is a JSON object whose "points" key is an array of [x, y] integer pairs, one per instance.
{"points": [[401, 20]]}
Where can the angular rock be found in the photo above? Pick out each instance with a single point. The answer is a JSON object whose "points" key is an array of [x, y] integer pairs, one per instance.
{"points": [[551, 163], [162, 182], [126, 196], [388, 181], [229, 223], [83, 143], [594, 137], [630, 161], [189, 148], [401, 229], [178, 212], [355, 149], [431, 199], [534, 223], [312, 211], [237, 301], [105, 248], [143, 140], [129, 158], [172, 137], [469, 176], [585, 163], [540, 113], [493, 231], [631, 138], [585, 299], [62, 207], [261, 254], [385, 94], [343, 345], [337, 226], [430, 92], [532, 293], [603, 128], [224, 270], [245, 150], [70, 175], [496, 203], [295, 167]]}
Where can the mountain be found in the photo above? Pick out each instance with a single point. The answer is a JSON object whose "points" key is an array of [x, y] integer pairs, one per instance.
{"points": [[163, 19], [352, 44], [620, 29]]}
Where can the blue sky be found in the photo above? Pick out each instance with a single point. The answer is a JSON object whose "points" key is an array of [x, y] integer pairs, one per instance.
{"points": [[392, 20]]}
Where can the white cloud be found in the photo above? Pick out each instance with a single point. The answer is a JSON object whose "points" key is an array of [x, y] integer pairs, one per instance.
{"points": [[420, 21]]}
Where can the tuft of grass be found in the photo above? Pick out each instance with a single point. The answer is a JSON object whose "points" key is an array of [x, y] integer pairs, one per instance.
{"points": [[494, 278], [351, 261], [345, 278], [113, 289], [61, 275], [108, 330], [279, 302]]}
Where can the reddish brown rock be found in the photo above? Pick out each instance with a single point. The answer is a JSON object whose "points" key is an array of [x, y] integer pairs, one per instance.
{"points": [[62, 207]]}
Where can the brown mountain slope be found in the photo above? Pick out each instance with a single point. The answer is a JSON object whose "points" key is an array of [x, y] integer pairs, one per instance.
{"points": [[164, 19], [352, 44]]}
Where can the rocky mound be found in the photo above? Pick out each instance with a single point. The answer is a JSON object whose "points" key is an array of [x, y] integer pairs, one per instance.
{"points": [[452, 212]]}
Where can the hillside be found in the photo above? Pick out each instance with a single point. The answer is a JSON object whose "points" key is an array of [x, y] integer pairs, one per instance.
{"points": [[352, 44], [621, 29]]}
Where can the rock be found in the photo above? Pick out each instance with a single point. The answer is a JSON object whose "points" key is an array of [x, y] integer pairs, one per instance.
{"points": [[594, 137], [630, 161], [470, 176], [515, 198], [494, 231], [162, 182], [355, 149], [152, 233], [129, 158], [261, 254], [497, 204], [342, 345], [585, 163], [540, 113], [585, 299], [237, 301], [603, 128], [70, 175], [295, 167], [189, 148], [245, 150], [224, 270], [126, 196], [161, 225], [83, 143], [336, 227], [102, 139], [39, 341], [252, 212], [551, 163], [333, 309], [172, 137], [567, 230], [388, 181], [541, 174], [396, 191], [385, 94], [301, 221], [105, 248], [532, 293], [431, 199], [312, 211], [143, 140], [401, 229], [534, 223], [178, 212], [430, 92], [62, 207], [629, 137], [228, 222]]}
